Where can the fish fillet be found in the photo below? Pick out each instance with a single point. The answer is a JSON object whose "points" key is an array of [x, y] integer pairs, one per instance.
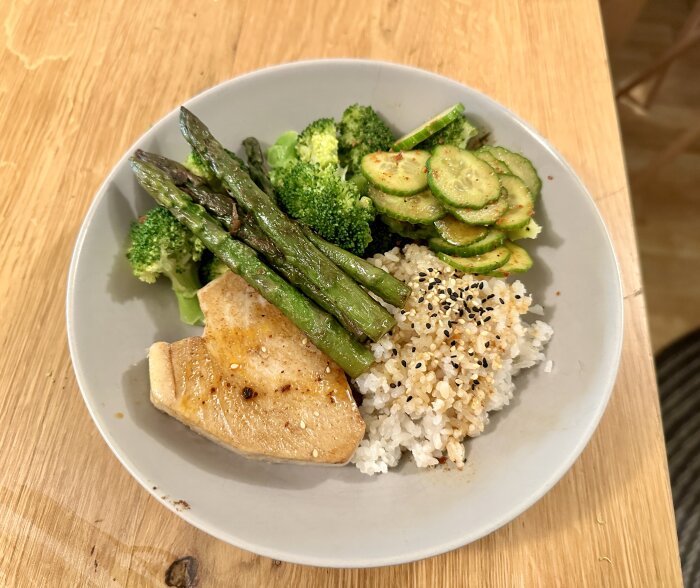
{"points": [[254, 384]]}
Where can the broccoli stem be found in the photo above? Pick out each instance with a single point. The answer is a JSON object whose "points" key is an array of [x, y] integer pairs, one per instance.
{"points": [[382, 283], [325, 332], [318, 270], [185, 284]]}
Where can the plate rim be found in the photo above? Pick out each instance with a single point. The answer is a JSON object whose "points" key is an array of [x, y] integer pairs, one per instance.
{"points": [[405, 557]]}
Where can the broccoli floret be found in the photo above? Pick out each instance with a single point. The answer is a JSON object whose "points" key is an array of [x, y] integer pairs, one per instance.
{"points": [[161, 246], [320, 198], [318, 144], [461, 133], [211, 268], [362, 131], [282, 152]]}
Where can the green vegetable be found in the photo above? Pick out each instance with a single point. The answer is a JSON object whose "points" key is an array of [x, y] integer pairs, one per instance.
{"points": [[325, 332], [282, 151], [287, 235], [376, 280], [318, 143], [257, 168], [321, 199], [400, 174], [428, 128], [161, 246], [196, 165], [211, 268], [460, 132], [361, 131], [478, 264]]}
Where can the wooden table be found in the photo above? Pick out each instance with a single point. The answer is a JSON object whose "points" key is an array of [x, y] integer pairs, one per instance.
{"points": [[82, 80]]}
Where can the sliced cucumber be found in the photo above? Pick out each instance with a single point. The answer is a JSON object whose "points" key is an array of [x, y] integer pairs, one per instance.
{"points": [[457, 233], [519, 166], [494, 238], [422, 209], [519, 261], [529, 231], [520, 207], [479, 264], [487, 215], [460, 179], [498, 166], [408, 230], [439, 121], [401, 174]]}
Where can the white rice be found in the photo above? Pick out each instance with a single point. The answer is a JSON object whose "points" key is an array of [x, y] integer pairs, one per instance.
{"points": [[434, 382]]}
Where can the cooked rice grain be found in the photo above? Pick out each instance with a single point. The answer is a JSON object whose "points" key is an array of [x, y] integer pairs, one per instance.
{"points": [[448, 362]]}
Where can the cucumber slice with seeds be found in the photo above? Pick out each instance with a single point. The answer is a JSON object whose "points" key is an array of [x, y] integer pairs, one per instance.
{"points": [[439, 121], [479, 264], [519, 166], [422, 209], [401, 174], [460, 179], [487, 215], [498, 166], [518, 262], [457, 233], [520, 207], [494, 238]]}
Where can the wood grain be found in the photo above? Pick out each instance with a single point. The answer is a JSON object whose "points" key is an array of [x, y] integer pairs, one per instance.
{"points": [[82, 80]]}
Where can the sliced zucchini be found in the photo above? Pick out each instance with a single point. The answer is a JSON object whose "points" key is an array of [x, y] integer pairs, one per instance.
{"points": [[498, 166], [439, 121], [408, 230], [494, 238], [457, 233], [460, 179], [422, 209], [520, 207], [487, 215], [519, 261], [529, 231], [401, 174], [479, 264], [519, 166]]}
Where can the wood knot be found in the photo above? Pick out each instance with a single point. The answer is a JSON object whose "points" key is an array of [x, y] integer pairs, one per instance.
{"points": [[182, 573]]}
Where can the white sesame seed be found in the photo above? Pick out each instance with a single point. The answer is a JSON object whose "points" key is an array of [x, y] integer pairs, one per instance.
{"points": [[316, 413], [315, 453], [234, 366], [328, 369], [263, 349], [304, 341], [302, 424]]}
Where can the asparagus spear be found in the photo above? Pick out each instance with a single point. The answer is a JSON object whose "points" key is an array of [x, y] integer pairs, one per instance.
{"points": [[223, 208], [325, 332], [382, 283], [257, 167], [318, 270]]}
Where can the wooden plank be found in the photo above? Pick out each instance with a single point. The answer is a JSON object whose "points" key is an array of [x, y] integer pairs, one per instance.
{"points": [[81, 83]]}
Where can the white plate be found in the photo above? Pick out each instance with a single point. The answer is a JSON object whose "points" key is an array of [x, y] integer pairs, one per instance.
{"points": [[337, 516]]}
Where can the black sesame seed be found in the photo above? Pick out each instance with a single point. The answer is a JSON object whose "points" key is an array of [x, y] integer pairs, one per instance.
{"points": [[395, 351], [447, 333], [478, 323], [421, 300], [517, 296], [470, 297], [403, 312], [430, 269], [413, 349], [428, 325], [489, 308], [430, 306], [403, 362], [486, 363], [449, 290], [461, 312], [487, 319], [471, 315], [392, 385], [501, 301], [474, 285], [409, 399], [453, 343], [438, 281], [421, 279], [430, 286], [487, 344], [471, 353], [441, 291], [418, 365], [398, 383], [490, 296], [422, 274], [455, 365], [481, 285], [498, 337], [413, 325]]}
